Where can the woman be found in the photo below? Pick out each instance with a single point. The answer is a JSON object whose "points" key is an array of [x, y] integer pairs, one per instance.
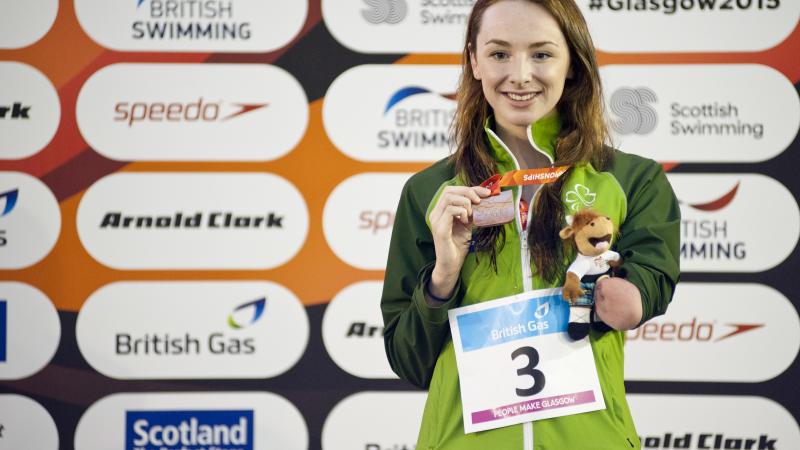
{"points": [[529, 97]]}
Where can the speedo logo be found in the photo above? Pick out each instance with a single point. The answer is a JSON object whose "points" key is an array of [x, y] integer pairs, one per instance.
{"points": [[189, 430], [693, 330], [180, 112]]}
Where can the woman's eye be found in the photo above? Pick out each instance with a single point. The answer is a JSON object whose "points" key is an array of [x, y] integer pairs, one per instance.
{"points": [[541, 55], [498, 55]]}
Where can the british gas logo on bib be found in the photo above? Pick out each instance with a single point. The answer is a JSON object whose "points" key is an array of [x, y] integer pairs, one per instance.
{"points": [[654, 112], [723, 217], [185, 112], [399, 26], [171, 220], [189, 430], [403, 112], [675, 25], [192, 421], [29, 112], [192, 330], [359, 216], [189, 25]]}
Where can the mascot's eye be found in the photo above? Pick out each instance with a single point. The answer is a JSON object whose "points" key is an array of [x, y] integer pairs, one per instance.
{"points": [[592, 224]]}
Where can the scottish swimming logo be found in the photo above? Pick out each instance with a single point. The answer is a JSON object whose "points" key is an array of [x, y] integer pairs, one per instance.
{"points": [[189, 430]]}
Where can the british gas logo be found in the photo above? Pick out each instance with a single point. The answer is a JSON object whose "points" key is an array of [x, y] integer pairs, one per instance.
{"points": [[247, 314], [223, 337], [669, 119], [709, 329], [191, 26], [403, 113], [185, 112], [25, 200], [31, 111], [723, 217]]}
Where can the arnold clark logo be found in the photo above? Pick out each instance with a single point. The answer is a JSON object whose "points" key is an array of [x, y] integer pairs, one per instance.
{"points": [[26, 424], [25, 201], [716, 333], [735, 422], [29, 113], [190, 25], [392, 113], [192, 220], [398, 26], [359, 215], [706, 119], [352, 331], [29, 330], [203, 112], [390, 428], [24, 23], [192, 421], [718, 23], [722, 220], [185, 330]]}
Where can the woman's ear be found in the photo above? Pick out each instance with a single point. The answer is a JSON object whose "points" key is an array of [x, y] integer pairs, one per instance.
{"points": [[473, 62]]}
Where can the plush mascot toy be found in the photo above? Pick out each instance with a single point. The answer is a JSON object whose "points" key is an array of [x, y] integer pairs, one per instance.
{"points": [[592, 234]]}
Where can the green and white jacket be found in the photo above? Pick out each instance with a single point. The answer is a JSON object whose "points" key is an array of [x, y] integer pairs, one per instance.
{"points": [[634, 192]]}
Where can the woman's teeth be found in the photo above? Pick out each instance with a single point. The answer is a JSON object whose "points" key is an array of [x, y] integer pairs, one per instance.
{"points": [[521, 97]]}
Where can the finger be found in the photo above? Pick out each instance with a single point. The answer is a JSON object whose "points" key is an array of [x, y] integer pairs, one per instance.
{"points": [[464, 191], [481, 191], [453, 199], [458, 213]]}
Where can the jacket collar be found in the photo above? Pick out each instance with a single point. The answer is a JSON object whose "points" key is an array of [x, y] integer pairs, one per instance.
{"points": [[541, 134]]}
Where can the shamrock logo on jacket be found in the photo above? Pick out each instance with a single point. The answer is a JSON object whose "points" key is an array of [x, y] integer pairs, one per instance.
{"points": [[580, 197]]}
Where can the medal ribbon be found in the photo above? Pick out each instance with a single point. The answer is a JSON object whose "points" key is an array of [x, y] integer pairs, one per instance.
{"points": [[523, 177]]}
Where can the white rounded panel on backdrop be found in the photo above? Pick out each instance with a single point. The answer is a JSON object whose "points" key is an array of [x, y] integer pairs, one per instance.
{"points": [[23, 23], [30, 220], [183, 221], [398, 26], [392, 113], [252, 420], [359, 216], [374, 420], [716, 332], [628, 26], [712, 422], [724, 221], [26, 424], [229, 26], [352, 331], [711, 113], [30, 112], [192, 112], [192, 330], [30, 330]]}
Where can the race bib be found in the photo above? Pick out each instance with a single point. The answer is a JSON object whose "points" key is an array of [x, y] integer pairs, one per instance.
{"points": [[516, 363]]}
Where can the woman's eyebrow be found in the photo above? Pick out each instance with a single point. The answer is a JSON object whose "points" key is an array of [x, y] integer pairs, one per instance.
{"points": [[503, 43]]}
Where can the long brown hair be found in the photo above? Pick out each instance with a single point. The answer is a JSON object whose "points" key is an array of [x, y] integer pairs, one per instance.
{"points": [[581, 140]]}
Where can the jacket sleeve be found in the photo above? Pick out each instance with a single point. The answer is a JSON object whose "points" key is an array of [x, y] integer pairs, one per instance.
{"points": [[414, 332], [649, 239]]}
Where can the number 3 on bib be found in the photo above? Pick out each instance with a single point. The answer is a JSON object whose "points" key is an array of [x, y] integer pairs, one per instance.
{"points": [[529, 369]]}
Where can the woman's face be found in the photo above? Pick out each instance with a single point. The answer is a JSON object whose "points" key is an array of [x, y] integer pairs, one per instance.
{"points": [[522, 60]]}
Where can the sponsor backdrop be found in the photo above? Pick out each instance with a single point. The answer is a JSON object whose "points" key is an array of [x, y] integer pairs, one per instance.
{"points": [[196, 200]]}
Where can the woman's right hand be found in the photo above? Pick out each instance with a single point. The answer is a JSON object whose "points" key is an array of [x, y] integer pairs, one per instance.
{"points": [[451, 223]]}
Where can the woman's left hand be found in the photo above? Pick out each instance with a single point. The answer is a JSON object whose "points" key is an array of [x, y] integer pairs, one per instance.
{"points": [[618, 303]]}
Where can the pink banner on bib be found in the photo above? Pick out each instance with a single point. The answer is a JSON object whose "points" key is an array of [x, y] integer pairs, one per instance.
{"points": [[539, 404]]}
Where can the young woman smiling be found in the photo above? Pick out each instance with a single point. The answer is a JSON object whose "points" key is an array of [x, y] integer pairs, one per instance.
{"points": [[529, 97]]}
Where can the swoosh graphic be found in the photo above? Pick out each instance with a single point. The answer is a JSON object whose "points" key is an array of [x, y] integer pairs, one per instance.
{"points": [[258, 309], [406, 92], [246, 108], [11, 200], [740, 328], [719, 203]]}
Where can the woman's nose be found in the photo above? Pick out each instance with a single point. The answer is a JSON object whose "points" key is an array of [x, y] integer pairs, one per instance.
{"points": [[522, 71]]}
